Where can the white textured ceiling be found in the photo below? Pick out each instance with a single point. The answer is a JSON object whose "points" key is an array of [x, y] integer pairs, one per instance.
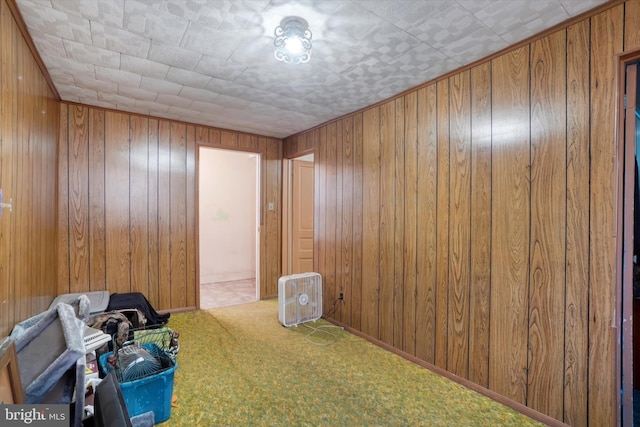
{"points": [[211, 61]]}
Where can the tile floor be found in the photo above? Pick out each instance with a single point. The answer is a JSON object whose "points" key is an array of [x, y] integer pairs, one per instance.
{"points": [[223, 294]]}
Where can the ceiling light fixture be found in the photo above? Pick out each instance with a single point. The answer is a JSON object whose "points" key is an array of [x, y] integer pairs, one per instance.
{"points": [[293, 41]]}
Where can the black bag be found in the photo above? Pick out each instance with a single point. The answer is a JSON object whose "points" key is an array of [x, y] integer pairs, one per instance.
{"points": [[135, 300]]}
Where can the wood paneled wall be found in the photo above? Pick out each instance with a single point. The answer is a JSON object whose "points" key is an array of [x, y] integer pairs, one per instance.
{"points": [[127, 213], [471, 222], [28, 136]]}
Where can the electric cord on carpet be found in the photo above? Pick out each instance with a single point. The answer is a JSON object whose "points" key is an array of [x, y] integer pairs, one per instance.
{"points": [[321, 329]]}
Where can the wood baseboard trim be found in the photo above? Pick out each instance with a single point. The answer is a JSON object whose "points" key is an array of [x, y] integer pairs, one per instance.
{"points": [[525, 410]]}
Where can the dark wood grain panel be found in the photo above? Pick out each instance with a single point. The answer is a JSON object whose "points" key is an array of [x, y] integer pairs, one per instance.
{"points": [[97, 202], [548, 216], [371, 221], [152, 210], [164, 215], [576, 322], [358, 221], [138, 204], [329, 288], [192, 281], [387, 220], [214, 137], [631, 25], [9, 157], [23, 182], [337, 246], [46, 230], [228, 139], [426, 224], [410, 221], [320, 184], [274, 231], [606, 41], [510, 225], [78, 198], [346, 241], [178, 214], [459, 223], [244, 141], [202, 136], [398, 224], [480, 224], [442, 224], [263, 212], [63, 195], [117, 209]]}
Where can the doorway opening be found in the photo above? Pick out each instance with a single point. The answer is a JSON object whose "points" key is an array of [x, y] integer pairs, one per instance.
{"points": [[628, 248], [228, 227], [298, 215]]}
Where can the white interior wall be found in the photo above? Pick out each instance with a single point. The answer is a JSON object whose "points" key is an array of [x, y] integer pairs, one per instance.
{"points": [[227, 209]]}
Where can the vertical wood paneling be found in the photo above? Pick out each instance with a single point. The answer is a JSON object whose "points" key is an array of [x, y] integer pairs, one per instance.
{"points": [[228, 139], [480, 224], [329, 288], [29, 128], [398, 225], [97, 236], [510, 209], [577, 253], [153, 214], [371, 221], [334, 253], [263, 211], [488, 136], [8, 160], [606, 41], [459, 223], [515, 189], [426, 224], [318, 178], [548, 215], [410, 222], [164, 215], [150, 164], [355, 295], [346, 242], [24, 181], [631, 25], [190, 190], [273, 182], [78, 199], [117, 196], [321, 162], [178, 214], [387, 211], [337, 246], [442, 224], [138, 204], [63, 196], [214, 137]]}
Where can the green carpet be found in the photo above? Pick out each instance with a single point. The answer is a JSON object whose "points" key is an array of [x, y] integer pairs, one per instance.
{"points": [[238, 366]]}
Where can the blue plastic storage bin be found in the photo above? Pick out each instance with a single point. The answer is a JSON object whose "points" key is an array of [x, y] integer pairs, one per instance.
{"points": [[152, 393]]}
